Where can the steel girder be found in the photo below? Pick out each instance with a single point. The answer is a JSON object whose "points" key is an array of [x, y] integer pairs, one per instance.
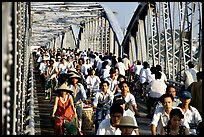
{"points": [[172, 35]]}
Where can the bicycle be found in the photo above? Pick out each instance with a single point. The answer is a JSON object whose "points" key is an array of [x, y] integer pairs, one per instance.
{"points": [[68, 128], [50, 88]]}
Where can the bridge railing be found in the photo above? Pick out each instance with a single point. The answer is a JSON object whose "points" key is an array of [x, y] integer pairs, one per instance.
{"points": [[30, 127]]}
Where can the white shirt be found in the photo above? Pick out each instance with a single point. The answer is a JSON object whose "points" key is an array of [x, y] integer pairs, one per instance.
{"points": [[126, 61], [63, 68], [161, 118], [190, 76], [112, 83], [85, 68], [93, 81], [163, 76], [145, 75], [137, 69], [130, 99], [105, 72], [157, 88], [42, 67], [193, 118], [105, 128], [102, 98], [121, 67]]}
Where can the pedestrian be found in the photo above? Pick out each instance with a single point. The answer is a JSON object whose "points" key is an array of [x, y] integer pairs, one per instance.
{"points": [[63, 107], [79, 97], [109, 126], [102, 102], [128, 97], [174, 126], [161, 115], [190, 74], [127, 126], [156, 89], [191, 114], [196, 90]]}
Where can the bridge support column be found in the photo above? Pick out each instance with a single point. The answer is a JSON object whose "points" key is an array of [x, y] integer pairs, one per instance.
{"points": [[111, 41], [141, 30]]}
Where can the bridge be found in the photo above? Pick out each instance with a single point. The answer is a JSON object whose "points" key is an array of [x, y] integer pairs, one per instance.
{"points": [[165, 33]]}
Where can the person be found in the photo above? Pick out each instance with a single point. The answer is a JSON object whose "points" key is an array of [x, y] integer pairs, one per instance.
{"points": [[190, 113], [174, 126], [196, 91], [102, 102], [92, 83], [161, 115], [128, 97], [109, 126], [127, 126], [63, 107], [171, 89], [79, 97], [190, 74], [116, 88], [50, 74], [163, 76], [126, 61], [137, 69], [104, 71], [111, 79], [126, 112], [145, 78], [156, 89], [121, 66]]}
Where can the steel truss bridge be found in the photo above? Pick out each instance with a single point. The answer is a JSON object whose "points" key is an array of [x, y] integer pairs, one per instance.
{"points": [[165, 33]]}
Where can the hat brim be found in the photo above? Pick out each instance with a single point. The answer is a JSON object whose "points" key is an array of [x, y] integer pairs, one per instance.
{"points": [[127, 126], [67, 90]]}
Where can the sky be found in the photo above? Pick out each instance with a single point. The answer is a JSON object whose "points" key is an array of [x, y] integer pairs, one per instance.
{"points": [[125, 11]]}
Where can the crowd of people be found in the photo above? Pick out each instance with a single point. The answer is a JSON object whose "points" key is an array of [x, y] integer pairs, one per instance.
{"points": [[102, 82]]}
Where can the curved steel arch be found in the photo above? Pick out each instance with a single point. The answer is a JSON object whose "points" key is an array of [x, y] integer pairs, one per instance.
{"points": [[163, 33]]}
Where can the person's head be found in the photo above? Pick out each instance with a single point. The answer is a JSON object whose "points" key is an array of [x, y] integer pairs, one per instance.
{"points": [[121, 78], [153, 70], [190, 64], [185, 97], [124, 87], [78, 68], [112, 72], [104, 85], [63, 60], [116, 71], [199, 75], [120, 59], [119, 102], [157, 75], [126, 125], [171, 89], [92, 72], [75, 78], [175, 117], [139, 62], [116, 113], [167, 101], [64, 89], [51, 62], [158, 67], [145, 64]]}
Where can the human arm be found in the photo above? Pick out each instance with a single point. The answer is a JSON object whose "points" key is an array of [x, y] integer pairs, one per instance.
{"points": [[153, 129], [72, 105]]}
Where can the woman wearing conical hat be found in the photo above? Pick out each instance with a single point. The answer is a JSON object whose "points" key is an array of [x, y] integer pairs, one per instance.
{"points": [[63, 107]]}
